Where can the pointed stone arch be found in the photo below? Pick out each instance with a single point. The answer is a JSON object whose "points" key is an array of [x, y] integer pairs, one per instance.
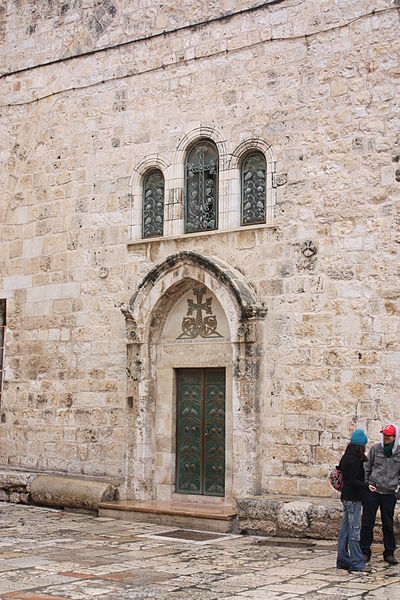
{"points": [[151, 383]]}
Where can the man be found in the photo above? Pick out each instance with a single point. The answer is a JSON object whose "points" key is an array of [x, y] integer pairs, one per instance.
{"points": [[382, 470]]}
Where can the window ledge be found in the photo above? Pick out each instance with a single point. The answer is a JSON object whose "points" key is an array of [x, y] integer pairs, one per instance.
{"points": [[200, 234]]}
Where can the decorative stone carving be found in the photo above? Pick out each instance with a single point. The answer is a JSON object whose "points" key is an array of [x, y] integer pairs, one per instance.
{"points": [[192, 327], [280, 180], [103, 272], [308, 249], [340, 273]]}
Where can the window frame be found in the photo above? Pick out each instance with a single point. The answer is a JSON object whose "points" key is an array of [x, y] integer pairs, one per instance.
{"points": [[145, 178], [253, 152], [190, 149]]}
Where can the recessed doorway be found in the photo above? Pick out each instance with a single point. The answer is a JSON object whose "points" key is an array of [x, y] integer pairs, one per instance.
{"points": [[200, 456]]}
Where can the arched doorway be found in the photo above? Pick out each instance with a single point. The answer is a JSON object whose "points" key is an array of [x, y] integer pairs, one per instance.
{"points": [[194, 371]]}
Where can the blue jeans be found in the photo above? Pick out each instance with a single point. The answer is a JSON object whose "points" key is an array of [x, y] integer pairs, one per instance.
{"points": [[349, 554]]}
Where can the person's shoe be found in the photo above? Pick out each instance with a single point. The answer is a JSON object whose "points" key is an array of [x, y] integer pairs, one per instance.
{"points": [[391, 559], [366, 558], [366, 569]]}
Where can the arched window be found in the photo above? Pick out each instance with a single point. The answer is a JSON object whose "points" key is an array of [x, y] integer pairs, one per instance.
{"points": [[201, 203], [153, 204], [254, 172]]}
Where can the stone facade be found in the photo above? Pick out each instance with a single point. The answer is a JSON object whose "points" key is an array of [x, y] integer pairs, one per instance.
{"points": [[96, 93]]}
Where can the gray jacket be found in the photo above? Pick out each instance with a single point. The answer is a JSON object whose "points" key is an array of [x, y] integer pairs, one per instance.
{"points": [[381, 471]]}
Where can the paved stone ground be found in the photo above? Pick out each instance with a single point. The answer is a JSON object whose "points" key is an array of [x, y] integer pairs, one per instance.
{"points": [[52, 555]]}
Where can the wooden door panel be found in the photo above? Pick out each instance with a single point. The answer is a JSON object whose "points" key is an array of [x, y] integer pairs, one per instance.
{"points": [[201, 432], [189, 451], [214, 461]]}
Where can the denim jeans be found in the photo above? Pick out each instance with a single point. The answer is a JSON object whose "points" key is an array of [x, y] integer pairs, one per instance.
{"points": [[349, 554], [386, 503]]}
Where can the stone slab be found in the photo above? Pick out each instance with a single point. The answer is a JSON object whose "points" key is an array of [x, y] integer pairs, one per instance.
{"points": [[192, 516], [188, 522]]}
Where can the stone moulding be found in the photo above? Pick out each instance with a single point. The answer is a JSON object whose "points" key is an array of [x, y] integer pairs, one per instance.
{"points": [[249, 305]]}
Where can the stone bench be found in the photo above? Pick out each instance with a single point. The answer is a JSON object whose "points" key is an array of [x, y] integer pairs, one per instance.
{"points": [[318, 518]]}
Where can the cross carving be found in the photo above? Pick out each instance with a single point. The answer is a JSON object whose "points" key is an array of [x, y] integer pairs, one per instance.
{"points": [[194, 327]]}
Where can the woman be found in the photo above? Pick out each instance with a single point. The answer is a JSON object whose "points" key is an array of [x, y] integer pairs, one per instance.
{"points": [[351, 465]]}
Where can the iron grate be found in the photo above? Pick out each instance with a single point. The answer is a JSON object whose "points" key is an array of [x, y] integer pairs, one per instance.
{"points": [[192, 536]]}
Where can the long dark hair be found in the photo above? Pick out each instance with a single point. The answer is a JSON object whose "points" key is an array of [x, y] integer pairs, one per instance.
{"points": [[360, 450]]}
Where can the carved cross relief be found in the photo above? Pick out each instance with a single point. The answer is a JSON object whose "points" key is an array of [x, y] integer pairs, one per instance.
{"points": [[197, 325]]}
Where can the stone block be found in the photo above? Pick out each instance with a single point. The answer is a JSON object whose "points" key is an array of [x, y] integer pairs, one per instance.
{"points": [[15, 481], [293, 516], [17, 282], [71, 492], [4, 495]]}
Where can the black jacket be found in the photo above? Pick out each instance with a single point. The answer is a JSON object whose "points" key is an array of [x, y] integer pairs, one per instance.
{"points": [[352, 469]]}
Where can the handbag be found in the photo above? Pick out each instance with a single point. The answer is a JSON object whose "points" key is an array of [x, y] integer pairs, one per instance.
{"points": [[336, 479]]}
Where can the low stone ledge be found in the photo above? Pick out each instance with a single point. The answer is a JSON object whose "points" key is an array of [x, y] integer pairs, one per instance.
{"points": [[318, 518], [71, 492], [16, 481]]}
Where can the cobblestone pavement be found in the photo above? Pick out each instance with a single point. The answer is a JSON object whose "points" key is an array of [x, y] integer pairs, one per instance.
{"points": [[53, 555]]}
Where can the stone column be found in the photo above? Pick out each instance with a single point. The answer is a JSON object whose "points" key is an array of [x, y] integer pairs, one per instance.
{"points": [[246, 409]]}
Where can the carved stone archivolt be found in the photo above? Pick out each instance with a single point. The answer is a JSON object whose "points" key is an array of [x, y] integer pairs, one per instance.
{"points": [[224, 276]]}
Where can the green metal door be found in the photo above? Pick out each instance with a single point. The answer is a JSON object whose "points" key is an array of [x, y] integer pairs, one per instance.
{"points": [[200, 465]]}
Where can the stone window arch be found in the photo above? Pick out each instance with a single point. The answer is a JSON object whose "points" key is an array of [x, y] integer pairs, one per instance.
{"points": [[253, 158], [201, 186], [253, 171], [144, 178], [153, 204]]}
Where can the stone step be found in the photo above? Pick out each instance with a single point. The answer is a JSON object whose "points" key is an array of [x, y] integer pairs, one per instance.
{"points": [[206, 517]]}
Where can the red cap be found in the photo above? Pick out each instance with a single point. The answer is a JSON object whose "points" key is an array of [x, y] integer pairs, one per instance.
{"points": [[389, 430]]}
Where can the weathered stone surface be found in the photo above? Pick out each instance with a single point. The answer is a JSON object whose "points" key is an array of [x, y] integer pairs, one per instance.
{"points": [[325, 519], [16, 481], [311, 85], [116, 560], [15, 497], [70, 492], [293, 516], [4, 496], [318, 518]]}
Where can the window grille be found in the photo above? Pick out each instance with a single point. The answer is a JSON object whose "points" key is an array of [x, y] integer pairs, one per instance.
{"points": [[254, 172], [201, 205], [153, 204]]}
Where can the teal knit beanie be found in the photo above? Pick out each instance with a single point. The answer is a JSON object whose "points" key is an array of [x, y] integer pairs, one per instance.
{"points": [[358, 438]]}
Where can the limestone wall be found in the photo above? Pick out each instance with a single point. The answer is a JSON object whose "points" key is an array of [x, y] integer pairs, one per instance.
{"points": [[73, 135]]}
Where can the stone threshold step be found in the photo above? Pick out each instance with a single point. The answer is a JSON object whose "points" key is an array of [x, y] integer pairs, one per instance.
{"points": [[177, 509]]}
